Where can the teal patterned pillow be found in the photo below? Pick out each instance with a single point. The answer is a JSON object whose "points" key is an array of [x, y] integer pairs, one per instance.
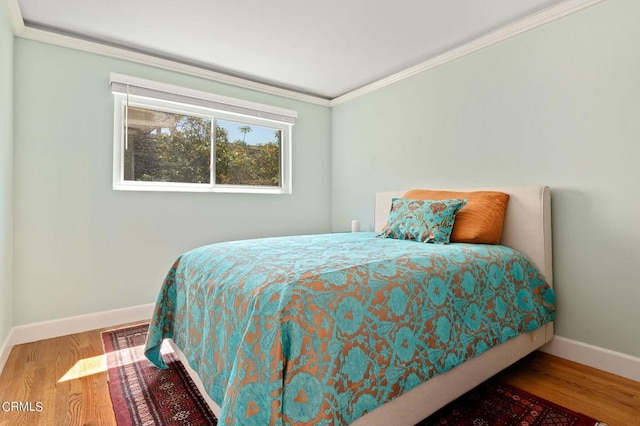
{"points": [[427, 221]]}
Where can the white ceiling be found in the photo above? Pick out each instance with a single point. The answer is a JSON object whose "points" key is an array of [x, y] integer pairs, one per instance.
{"points": [[325, 48]]}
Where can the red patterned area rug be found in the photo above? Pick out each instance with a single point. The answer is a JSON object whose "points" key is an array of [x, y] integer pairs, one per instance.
{"points": [[496, 404], [143, 394]]}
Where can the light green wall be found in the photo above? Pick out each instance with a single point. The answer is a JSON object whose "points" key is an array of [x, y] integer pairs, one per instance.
{"points": [[81, 247], [6, 173], [558, 105]]}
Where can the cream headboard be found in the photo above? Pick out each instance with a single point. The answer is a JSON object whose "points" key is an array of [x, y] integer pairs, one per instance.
{"points": [[527, 225]]}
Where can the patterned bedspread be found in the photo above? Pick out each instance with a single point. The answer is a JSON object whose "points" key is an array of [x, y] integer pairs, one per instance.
{"points": [[322, 329]]}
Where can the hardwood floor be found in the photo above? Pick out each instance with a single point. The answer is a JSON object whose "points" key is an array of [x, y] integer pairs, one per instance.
{"points": [[606, 397], [36, 372], [66, 375]]}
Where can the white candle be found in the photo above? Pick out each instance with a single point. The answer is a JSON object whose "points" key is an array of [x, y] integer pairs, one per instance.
{"points": [[355, 225]]}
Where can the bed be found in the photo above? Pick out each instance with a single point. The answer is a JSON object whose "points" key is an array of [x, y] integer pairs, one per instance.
{"points": [[353, 328]]}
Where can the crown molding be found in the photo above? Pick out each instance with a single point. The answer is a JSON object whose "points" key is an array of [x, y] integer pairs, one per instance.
{"points": [[559, 10], [530, 22], [141, 58], [50, 37]]}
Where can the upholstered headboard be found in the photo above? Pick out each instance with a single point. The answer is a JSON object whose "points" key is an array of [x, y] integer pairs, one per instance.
{"points": [[527, 225]]}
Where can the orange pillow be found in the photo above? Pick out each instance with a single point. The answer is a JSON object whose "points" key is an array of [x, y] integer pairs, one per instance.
{"points": [[480, 221]]}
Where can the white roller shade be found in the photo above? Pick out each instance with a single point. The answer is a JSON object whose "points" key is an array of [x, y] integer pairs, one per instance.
{"points": [[134, 86]]}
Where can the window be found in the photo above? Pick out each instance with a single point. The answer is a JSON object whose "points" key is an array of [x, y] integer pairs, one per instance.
{"points": [[168, 138]]}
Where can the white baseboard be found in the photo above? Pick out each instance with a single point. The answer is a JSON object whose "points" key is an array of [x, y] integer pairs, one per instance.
{"points": [[603, 359], [5, 350], [77, 324]]}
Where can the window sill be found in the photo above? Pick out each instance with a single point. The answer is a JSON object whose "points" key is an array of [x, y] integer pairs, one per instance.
{"points": [[200, 188]]}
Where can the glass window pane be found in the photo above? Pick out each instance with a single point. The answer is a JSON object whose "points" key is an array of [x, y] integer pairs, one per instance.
{"points": [[167, 147], [247, 154]]}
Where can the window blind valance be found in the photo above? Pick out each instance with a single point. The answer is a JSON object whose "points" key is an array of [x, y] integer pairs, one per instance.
{"points": [[134, 86]]}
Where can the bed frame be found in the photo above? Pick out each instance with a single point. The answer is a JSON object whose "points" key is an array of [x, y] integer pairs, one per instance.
{"points": [[527, 228]]}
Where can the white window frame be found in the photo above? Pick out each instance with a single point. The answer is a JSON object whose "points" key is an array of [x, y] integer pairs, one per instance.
{"points": [[136, 92]]}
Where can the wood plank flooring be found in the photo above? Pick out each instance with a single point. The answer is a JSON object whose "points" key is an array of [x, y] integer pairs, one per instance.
{"points": [[67, 376], [603, 396]]}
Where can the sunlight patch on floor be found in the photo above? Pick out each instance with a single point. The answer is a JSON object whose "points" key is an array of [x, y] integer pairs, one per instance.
{"points": [[98, 364], [86, 367]]}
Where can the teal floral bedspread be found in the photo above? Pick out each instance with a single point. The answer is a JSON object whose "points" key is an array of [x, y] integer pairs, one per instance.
{"points": [[322, 329]]}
